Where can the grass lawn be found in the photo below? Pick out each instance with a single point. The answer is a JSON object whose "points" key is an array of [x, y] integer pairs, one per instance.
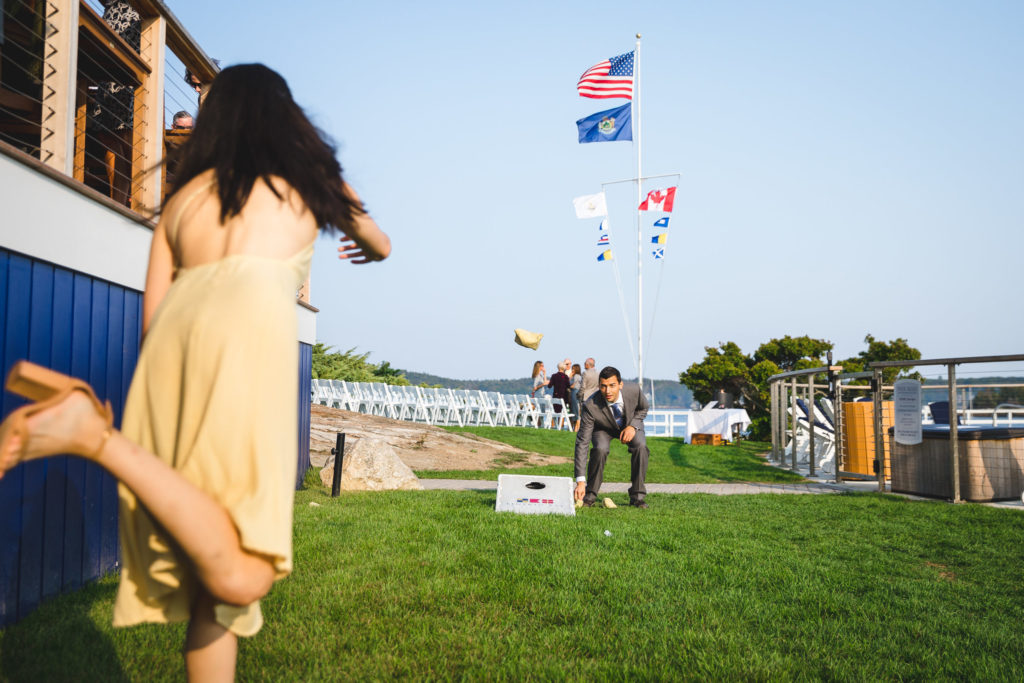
{"points": [[672, 461], [436, 585]]}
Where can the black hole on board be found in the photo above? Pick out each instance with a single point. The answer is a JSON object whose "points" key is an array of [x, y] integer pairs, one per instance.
{"points": [[535, 485]]}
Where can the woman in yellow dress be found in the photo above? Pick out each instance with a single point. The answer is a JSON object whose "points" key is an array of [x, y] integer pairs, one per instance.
{"points": [[206, 523]]}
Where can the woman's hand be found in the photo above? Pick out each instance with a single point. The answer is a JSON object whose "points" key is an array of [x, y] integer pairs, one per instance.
{"points": [[355, 253], [367, 242]]}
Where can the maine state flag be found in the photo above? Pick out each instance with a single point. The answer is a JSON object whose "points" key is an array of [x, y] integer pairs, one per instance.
{"points": [[607, 126]]}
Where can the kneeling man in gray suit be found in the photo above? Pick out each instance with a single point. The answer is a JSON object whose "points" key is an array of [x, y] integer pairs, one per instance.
{"points": [[615, 411]]}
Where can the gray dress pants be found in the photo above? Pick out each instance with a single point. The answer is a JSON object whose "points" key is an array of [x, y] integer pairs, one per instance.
{"points": [[638, 454]]}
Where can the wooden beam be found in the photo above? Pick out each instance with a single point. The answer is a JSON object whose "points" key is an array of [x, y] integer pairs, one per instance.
{"points": [[148, 132], [60, 65]]}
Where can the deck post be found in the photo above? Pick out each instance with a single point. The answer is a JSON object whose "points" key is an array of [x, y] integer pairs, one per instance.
{"points": [[774, 420], [876, 399], [792, 418], [60, 70], [954, 448], [810, 423], [148, 134]]}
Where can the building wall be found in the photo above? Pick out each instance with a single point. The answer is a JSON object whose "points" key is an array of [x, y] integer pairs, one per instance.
{"points": [[72, 272], [58, 516]]}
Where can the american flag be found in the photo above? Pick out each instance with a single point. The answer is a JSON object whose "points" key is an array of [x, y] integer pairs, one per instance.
{"points": [[611, 78]]}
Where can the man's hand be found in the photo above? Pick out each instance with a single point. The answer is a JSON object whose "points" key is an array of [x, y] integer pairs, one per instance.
{"points": [[627, 434], [581, 490]]}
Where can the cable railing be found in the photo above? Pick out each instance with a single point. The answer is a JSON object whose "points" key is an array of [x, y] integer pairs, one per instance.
{"points": [[887, 431], [92, 88], [23, 47]]}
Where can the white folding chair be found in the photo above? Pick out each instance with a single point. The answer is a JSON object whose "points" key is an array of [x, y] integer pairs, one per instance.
{"points": [[488, 409], [360, 398], [564, 417], [408, 401], [320, 389], [339, 395]]}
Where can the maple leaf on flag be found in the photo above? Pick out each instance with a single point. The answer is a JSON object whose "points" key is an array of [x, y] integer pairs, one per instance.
{"points": [[659, 200]]}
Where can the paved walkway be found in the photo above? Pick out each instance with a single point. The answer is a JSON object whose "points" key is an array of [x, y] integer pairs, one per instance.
{"points": [[622, 487], [815, 485]]}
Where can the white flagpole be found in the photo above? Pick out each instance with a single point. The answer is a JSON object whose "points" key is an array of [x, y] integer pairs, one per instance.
{"points": [[639, 227]]}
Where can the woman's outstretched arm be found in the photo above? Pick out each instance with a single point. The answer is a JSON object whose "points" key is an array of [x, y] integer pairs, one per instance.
{"points": [[366, 242]]}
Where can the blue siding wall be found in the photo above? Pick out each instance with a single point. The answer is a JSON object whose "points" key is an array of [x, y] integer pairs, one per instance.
{"points": [[305, 403], [58, 516]]}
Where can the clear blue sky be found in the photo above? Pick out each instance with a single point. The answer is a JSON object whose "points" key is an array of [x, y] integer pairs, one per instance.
{"points": [[846, 168]]}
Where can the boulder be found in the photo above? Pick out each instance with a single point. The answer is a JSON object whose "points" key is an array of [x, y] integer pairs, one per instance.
{"points": [[371, 465]]}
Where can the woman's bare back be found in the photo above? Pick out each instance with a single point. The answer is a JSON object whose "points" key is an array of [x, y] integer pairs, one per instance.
{"points": [[267, 226]]}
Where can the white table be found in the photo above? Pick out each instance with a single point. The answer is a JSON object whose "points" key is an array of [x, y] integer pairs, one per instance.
{"points": [[714, 421]]}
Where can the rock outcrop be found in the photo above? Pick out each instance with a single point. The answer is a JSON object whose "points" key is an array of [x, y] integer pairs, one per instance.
{"points": [[371, 465]]}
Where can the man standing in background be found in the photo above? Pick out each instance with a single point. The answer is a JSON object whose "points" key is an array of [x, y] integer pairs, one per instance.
{"points": [[589, 380]]}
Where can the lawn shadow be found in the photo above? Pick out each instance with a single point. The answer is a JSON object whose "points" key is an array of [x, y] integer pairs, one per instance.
{"points": [[59, 641]]}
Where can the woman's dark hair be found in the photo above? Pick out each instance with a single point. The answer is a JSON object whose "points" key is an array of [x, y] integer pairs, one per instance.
{"points": [[250, 128]]}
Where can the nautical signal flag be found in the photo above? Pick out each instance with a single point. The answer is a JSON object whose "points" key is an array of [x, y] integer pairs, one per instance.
{"points": [[659, 200], [603, 241], [591, 206], [659, 252], [610, 78], [661, 222], [660, 239], [605, 255], [607, 126]]}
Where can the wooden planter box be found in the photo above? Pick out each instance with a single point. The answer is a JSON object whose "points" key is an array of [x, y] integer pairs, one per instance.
{"points": [[706, 440], [991, 464]]}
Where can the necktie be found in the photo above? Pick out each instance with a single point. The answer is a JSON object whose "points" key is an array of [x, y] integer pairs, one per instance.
{"points": [[617, 412]]}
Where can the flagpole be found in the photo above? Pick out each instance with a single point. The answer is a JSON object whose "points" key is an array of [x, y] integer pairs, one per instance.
{"points": [[639, 227]]}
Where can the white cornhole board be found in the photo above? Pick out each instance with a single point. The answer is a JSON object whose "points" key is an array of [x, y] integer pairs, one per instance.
{"points": [[535, 495]]}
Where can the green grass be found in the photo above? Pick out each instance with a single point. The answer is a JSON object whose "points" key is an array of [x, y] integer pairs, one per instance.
{"points": [[672, 461], [436, 585]]}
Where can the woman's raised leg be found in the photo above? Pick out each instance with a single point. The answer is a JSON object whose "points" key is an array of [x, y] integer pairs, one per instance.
{"points": [[201, 527]]}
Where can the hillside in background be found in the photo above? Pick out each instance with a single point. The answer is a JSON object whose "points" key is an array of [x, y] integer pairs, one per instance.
{"points": [[667, 393]]}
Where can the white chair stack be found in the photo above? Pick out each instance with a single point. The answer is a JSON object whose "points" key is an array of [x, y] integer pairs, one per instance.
{"points": [[436, 406]]}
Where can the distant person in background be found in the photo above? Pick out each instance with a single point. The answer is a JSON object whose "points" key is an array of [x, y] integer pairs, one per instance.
{"points": [[560, 384], [182, 120], [540, 378], [575, 384], [590, 380]]}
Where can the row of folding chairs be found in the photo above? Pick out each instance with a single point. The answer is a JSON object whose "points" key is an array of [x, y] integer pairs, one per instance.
{"points": [[436, 406]]}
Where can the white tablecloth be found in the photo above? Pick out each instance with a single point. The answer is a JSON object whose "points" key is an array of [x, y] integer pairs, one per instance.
{"points": [[714, 421]]}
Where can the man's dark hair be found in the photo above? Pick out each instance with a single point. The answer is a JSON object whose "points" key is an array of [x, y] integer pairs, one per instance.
{"points": [[607, 372], [249, 128]]}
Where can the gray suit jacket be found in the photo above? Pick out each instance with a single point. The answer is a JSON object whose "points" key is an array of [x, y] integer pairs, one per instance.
{"points": [[595, 414]]}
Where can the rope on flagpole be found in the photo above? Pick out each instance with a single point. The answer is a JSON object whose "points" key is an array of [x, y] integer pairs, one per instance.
{"points": [[657, 295], [622, 307]]}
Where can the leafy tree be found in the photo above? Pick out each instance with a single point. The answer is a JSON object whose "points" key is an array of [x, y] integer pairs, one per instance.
{"points": [[727, 368], [793, 353], [878, 351], [352, 367]]}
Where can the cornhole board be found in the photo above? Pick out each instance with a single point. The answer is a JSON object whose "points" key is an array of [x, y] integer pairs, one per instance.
{"points": [[535, 495]]}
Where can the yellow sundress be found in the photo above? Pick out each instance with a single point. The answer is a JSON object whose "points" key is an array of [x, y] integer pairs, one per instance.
{"points": [[214, 395]]}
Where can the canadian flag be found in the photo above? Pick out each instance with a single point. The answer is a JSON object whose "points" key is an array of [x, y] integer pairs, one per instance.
{"points": [[659, 200]]}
